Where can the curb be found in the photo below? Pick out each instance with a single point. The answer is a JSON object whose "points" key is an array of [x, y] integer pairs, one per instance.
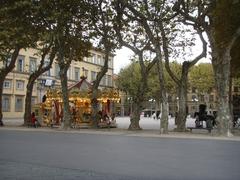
{"points": [[124, 132]]}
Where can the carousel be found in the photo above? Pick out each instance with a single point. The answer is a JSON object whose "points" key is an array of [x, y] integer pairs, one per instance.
{"points": [[50, 112]]}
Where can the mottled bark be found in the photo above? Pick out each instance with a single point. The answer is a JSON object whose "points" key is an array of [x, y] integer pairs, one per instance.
{"points": [[221, 66], [94, 102], [135, 116], [1, 92], [28, 101], [163, 93], [94, 108], [164, 118], [182, 95], [66, 124], [137, 105]]}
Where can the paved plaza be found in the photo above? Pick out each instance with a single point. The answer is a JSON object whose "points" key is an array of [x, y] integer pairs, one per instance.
{"points": [[147, 123], [50, 155], [87, 154]]}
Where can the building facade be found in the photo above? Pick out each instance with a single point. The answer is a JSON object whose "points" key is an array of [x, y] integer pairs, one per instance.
{"points": [[14, 88]]}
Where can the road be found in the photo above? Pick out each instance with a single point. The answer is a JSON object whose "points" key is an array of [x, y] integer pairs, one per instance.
{"points": [[62, 155]]}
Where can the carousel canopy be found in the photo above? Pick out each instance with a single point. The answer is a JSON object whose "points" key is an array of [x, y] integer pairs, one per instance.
{"points": [[82, 91]]}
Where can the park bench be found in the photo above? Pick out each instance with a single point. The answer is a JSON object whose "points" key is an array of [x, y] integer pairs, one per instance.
{"points": [[191, 128]]}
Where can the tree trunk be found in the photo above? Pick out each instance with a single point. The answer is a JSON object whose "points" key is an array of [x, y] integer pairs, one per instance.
{"points": [[182, 95], [182, 115], [28, 101], [164, 118], [135, 116], [139, 99], [221, 66], [66, 124], [94, 101], [41, 69], [94, 108], [163, 93], [1, 92]]}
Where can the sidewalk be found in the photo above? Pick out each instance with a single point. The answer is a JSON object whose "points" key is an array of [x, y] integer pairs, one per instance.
{"points": [[150, 129]]}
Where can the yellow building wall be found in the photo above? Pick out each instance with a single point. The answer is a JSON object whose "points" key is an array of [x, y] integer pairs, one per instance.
{"points": [[39, 90]]}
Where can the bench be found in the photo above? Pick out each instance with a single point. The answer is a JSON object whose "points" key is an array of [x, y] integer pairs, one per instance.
{"points": [[191, 128]]}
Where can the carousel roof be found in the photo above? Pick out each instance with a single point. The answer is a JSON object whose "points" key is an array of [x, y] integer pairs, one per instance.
{"points": [[82, 85]]}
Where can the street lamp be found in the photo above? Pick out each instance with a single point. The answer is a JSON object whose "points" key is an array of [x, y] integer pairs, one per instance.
{"points": [[130, 100], [151, 104], [195, 100]]}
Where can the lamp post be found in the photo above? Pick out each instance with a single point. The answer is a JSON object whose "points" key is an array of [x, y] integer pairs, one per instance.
{"points": [[130, 101], [195, 100], [40, 87], [151, 106]]}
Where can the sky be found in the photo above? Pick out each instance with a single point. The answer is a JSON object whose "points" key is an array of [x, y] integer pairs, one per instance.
{"points": [[122, 58]]}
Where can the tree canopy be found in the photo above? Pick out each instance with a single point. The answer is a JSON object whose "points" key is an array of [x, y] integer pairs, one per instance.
{"points": [[201, 77]]}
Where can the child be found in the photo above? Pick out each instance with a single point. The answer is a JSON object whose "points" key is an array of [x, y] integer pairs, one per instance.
{"points": [[34, 120]]}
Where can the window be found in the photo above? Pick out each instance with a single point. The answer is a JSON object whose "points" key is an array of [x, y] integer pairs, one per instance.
{"points": [[77, 74], [6, 103], [93, 75], [69, 72], [86, 73], [46, 63], [57, 70], [99, 61], [20, 64], [7, 84], [32, 64], [6, 62], [109, 80], [110, 63], [102, 61], [33, 100], [94, 58], [202, 98], [18, 104], [89, 58], [20, 85]]}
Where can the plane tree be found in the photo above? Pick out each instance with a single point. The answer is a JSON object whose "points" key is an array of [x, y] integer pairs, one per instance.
{"points": [[68, 25], [220, 20], [101, 20], [16, 33], [132, 35]]}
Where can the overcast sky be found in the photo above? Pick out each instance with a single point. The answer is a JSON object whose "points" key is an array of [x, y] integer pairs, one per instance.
{"points": [[122, 58]]}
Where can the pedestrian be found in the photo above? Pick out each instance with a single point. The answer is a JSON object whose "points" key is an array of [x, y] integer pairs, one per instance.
{"points": [[34, 120]]}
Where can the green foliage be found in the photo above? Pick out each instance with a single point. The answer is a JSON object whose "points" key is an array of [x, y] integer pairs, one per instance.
{"points": [[66, 23], [129, 79], [153, 82], [201, 77], [16, 26]]}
